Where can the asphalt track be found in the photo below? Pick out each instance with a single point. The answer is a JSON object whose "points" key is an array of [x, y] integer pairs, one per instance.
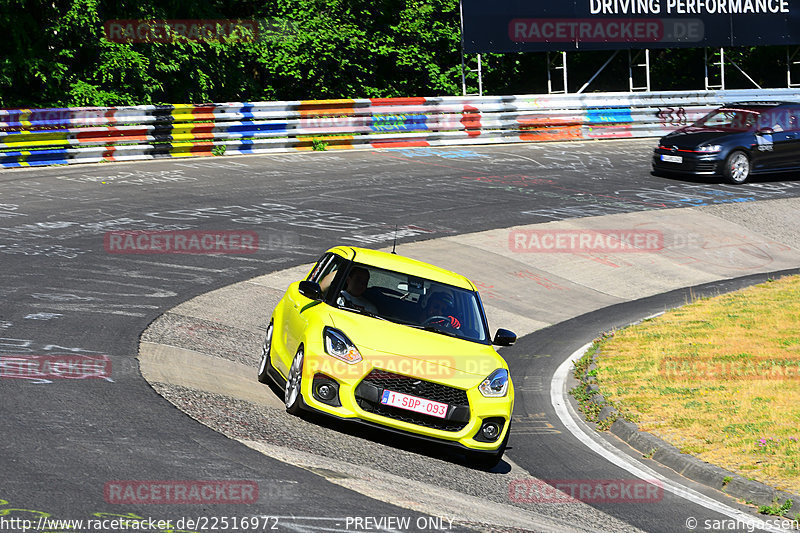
{"points": [[64, 293], [567, 461]]}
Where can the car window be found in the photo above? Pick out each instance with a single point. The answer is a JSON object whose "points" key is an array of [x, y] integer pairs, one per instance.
{"points": [[325, 271], [315, 272], [729, 119], [413, 301], [794, 119], [781, 119]]}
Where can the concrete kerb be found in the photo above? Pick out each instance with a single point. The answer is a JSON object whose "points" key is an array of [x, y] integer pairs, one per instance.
{"points": [[519, 286]]}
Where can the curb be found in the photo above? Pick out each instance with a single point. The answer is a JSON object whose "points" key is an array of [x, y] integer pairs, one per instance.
{"points": [[689, 466]]}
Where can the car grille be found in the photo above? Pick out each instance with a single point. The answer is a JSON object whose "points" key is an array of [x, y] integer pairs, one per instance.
{"points": [[706, 166], [379, 380]]}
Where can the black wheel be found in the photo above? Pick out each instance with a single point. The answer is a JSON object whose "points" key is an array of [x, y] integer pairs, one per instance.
{"points": [[265, 363], [737, 167], [293, 397]]}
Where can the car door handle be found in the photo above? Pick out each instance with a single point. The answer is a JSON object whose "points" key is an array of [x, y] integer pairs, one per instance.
{"points": [[790, 135]]}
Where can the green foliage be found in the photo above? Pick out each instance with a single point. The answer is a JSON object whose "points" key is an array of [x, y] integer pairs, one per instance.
{"points": [[776, 509], [55, 53]]}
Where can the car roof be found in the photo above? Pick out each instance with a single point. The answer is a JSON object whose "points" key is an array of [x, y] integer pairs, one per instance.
{"points": [[403, 264], [757, 105]]}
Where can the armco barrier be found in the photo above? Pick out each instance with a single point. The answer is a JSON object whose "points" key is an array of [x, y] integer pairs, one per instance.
{"points": [[30, 137]]}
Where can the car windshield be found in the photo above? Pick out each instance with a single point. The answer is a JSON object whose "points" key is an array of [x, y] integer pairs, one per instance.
{"points": [[729, 119], [413, 301]]}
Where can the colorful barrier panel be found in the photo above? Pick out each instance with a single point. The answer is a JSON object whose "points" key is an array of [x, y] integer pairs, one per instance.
{"points": [[33, 137]]}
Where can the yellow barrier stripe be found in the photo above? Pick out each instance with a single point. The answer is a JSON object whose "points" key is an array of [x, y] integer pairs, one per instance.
{"points": [[326, 107], [24, 116]]}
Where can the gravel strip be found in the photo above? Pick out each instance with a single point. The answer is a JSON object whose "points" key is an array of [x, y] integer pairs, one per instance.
{"points": [[404, 457], [205, 336]]}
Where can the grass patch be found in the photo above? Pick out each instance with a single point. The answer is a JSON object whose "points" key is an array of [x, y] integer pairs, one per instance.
{"points": [[718, 378]]}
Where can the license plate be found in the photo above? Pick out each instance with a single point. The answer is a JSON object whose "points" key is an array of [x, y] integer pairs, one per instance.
{"points": [[413, 403], [671, 158]]}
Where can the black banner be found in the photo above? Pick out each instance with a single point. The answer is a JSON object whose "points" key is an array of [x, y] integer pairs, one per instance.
{"points": [[558, 25]]}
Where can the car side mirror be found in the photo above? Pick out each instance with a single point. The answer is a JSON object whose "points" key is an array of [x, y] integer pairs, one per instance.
{"points": [[503, 337], [765, 131], [310, 289]]}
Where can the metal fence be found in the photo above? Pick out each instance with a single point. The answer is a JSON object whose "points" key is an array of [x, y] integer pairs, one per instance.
{"points": [[31, 137]]}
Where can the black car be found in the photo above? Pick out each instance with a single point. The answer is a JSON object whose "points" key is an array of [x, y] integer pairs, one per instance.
{"points": [[734, 142]]}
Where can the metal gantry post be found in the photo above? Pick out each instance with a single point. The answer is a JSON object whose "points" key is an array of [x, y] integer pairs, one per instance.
{"points": [[563, 68], [480, 76], [720, 64], [464, 70], [632, 58], [790, 60]]}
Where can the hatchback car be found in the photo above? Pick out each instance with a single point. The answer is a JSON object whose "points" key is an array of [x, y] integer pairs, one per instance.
{"points": [[393, 342], [734, 142]]}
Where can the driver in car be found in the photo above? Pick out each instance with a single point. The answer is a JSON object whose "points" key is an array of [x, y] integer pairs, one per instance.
{"points": [[353, 293], [439, 310]]}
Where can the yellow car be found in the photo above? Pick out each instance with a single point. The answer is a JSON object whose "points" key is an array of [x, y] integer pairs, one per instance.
{"points": [[386, 340]]}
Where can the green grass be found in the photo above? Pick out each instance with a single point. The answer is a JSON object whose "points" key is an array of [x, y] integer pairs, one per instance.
{"points": [[719, 378]]}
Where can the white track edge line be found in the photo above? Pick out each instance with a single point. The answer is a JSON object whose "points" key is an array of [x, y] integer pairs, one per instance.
{"points": [[571, 420]]}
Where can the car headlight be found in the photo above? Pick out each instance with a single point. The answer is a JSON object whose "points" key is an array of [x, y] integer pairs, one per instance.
{"points": [[710, 148], [339, 346], [496, 385]]}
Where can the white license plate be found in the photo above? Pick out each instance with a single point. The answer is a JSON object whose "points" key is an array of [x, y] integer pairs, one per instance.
{"points": [[671, 158], [412, 403]]}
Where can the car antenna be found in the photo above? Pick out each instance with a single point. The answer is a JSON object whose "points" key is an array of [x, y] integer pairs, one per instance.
{"points": [[394, 244]]}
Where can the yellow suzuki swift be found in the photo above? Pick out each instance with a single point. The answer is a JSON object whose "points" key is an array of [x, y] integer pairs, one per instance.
{"points": [[387, 340]]}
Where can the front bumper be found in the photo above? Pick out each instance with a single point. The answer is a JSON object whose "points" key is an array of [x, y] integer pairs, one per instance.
{"points": [[691, 163], [358, 400]]}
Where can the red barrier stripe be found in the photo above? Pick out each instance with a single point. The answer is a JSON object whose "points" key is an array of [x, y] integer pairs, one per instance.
{"points": [[202, 148], [203, 129], [471, 119], [399, 144], [552, 134], [203, 112], [548, 121], [113, 133], [108, 154], [398, 101]]}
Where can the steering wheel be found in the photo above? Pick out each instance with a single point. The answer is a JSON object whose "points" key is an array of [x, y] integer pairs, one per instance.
{"points": [[439, 319]]}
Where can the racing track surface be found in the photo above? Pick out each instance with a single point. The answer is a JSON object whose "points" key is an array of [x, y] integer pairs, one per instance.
{"points": [[63, 293]]}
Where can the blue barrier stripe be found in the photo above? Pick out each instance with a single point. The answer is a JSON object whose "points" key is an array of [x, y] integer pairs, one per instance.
{"points": [[32, 153], [247, 111], [399, 123], [600, 115], [250, 127]]}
